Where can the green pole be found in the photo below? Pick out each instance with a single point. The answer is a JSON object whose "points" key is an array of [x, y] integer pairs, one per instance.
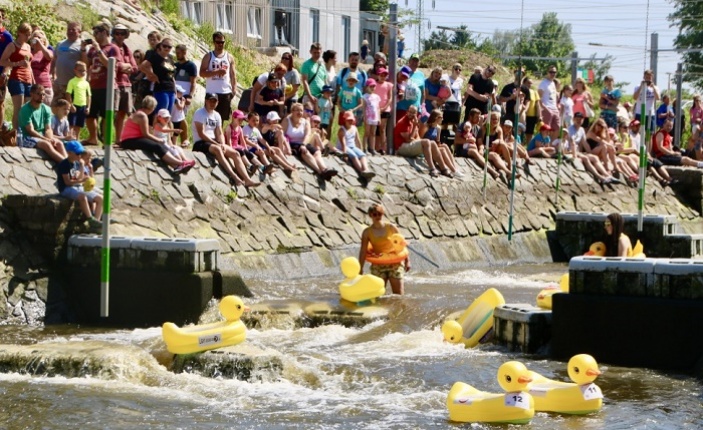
{"points": [[105, 252], [486, 148], [514, 166], [643, 159]]}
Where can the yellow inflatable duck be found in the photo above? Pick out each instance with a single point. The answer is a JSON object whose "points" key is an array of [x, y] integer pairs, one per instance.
{"points": [[637, 251], [187, 340], [476, 322], [580, 397], [397, 254], [359, 288], [597, 249], [515, 406]]}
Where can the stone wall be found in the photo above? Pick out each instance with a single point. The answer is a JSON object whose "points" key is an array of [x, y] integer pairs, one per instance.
{"points": [[291, 218]]}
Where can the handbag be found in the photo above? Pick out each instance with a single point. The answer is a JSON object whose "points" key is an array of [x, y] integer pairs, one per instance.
{"points": [[589, 111]]}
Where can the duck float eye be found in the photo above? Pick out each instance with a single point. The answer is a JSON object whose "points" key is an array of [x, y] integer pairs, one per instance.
{"points": [[576, 369], [508, 378]]}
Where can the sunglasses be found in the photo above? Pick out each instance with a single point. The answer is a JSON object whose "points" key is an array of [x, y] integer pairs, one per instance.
{"points": [[552, 72], [286, 58], [607, 224], [167, 46], [375, 214], [219, 42], [97, 30], [120, 33], [458, 69]]}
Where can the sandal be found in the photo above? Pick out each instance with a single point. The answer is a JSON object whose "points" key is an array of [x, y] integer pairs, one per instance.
{"points": [[447, 173], [434, 173]]}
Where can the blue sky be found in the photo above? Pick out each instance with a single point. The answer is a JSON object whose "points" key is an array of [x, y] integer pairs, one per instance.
{"points": [[619, 26]]}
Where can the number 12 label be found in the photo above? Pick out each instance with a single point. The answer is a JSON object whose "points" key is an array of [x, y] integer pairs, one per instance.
{"points": [[518, 400]]}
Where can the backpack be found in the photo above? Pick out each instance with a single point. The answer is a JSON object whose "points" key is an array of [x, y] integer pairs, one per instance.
{"points": [[360, 74]]}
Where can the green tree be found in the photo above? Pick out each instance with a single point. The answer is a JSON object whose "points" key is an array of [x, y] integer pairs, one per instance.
{"points": [[687, 18], [438, 40], [377, 6], [462, 38], [547, 38]]}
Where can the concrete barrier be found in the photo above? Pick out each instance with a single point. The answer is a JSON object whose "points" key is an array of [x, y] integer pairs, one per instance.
{"points": [[522, 327], [679, 279], [612, 276], [148, 253]]}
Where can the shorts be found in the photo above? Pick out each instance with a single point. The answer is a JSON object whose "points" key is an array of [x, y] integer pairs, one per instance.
{"points": [[354, 152], [530, 124], [246, 153], [670, 160], [126, 103], [77, 118], [655, 163], [18, 88], [224, 105], [296, 147], [202, 146], [75, 191], [551, 118], [610, 118], [385, 115], [177, 124], [27, 142], [388, 271], [372, 122], [97, 103], [412, 149]]}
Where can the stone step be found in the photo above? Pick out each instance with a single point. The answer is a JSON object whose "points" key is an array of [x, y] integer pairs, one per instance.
{"points": [[291, 315], [244, 362]]}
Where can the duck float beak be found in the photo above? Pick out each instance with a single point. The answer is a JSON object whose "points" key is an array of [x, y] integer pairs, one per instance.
{"points": [[247, 309], [593, 372], [524, 379], [589, 253]]}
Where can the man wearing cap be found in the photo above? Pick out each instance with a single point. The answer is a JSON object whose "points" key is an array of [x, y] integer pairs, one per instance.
{"points": [[67, 53], [97, 60], [35, 123], [514, 91], [663, 151], [313, 74], [186, 70], [219, 71], [414, 91], [209, 139], [353, 67], [479, 91], [262, 81], [271, 98], [548, 98], [124, 84], [70, 176]]}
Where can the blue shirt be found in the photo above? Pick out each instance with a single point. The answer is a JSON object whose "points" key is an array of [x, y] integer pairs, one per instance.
{"points": [[538, 138], [5, 39], [662, 110], [414, 89]]}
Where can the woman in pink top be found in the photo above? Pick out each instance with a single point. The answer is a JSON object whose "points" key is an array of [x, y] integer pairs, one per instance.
{"points": [[582, 97], [42, 55], [384, 89], [696, 113]]}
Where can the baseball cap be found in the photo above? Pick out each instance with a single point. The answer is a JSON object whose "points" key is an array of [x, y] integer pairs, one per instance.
{"points": [[415, 57], [407, 71], [120, 27], [271, 116], [272, 77], [382, 71], [634, 123], [209, 96], [74, 146], [370, 81], [352, 77], [508, 123], [163, 113], [521, 126], [578, 115], [237, 114], [180, 89], [327, 88], [315, 118], [545, 127]]}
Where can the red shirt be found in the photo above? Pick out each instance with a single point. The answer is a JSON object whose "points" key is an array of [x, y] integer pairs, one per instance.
{"points": [[97, 72], [403, 126], [666, 143], [127, 58]]}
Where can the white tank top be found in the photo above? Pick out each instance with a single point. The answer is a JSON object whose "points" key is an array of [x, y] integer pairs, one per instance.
{"points": [[296, 134], [349, 138], [218, 84]]}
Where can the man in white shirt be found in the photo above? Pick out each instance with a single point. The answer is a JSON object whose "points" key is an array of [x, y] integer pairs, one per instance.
{"points": [[209, 139], [548, 99]]}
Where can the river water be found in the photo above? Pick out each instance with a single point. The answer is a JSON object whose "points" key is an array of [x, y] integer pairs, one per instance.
{"points": [[391, 374]]}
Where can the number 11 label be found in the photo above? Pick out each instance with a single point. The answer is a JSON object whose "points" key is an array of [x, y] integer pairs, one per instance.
{"points": [[591, 392]]}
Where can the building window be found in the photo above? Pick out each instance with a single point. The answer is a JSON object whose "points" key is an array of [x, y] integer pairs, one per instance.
{"points": [[346, 29], [315, 21], [193, 11], [254, 22], [224, 17]]}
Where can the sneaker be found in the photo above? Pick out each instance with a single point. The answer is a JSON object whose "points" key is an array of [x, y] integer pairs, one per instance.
{"points": [[268, 169], [459, 174], [434, 173], [97, 163], [252, 169], [185, 144], [94, 224], [367, 175], [328, 174], [184, 167]]}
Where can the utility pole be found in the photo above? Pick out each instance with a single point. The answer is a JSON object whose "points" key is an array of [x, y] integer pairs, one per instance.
{"points": [[679, 105], [420, 25], [654, 55], [668, 84], [392, 62]]}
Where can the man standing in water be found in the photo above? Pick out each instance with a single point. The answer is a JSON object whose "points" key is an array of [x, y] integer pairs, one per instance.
{"points": [[378, 234]]}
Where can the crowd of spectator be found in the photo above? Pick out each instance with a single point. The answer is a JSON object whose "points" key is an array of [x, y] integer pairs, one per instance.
{"points": [[317, 110]]}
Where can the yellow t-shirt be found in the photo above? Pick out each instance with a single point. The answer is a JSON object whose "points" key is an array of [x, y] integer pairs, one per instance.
{"points": [[79, 89], [532, 107]]}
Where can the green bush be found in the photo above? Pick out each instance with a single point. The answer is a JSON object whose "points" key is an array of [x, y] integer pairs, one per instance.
{"points": [[41, 14]]}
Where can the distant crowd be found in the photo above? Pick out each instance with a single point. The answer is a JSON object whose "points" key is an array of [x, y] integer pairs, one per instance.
{"points": [[57, 91]]}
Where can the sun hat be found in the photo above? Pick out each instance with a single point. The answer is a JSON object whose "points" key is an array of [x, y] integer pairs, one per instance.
{"points": [[163, 113], [352, 77], [508, 123], [272, 116]]}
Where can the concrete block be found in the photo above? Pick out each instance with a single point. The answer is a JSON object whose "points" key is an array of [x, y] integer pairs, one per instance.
{"points": [[229, 282], [522, 327], [685, 245], [612, 276], [174, 244], [680, 278]]}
